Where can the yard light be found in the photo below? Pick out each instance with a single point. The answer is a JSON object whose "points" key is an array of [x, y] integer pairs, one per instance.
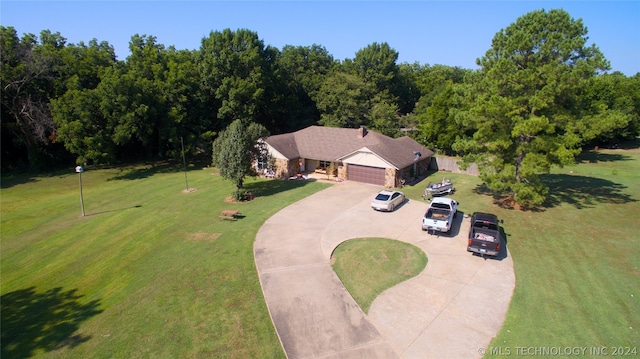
{"points": [[184, 162], [79, 170]]}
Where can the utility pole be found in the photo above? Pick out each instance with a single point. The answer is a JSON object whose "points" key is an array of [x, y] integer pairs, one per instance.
{"points": [[79, 170], [184, 163]]}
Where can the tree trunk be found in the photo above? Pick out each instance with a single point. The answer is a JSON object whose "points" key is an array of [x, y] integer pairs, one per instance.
{"points": [[518, 165], [29, 141], [519, 159]]}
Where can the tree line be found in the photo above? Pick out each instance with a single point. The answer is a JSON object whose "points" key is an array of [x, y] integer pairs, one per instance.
{"points": [[540, 94]]}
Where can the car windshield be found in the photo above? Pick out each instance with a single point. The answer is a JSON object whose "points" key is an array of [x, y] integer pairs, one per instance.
{"points": [[382, 197]]}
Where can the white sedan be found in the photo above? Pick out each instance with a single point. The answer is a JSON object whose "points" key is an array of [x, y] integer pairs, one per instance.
{"points": [[387, 200]]}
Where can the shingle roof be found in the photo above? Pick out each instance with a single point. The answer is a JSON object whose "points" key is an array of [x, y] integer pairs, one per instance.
{"points": [[285, 144], [332, 143]]}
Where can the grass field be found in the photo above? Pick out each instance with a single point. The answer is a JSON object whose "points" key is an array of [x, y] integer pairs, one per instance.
{"points": [[577, 260], [369, 266], [150, 271]]}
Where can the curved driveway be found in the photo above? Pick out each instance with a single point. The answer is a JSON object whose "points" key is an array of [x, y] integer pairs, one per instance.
{"points": [[452, 309]]}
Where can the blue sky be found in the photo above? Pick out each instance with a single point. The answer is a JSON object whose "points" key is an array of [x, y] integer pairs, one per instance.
{"points": [[453, 33]]}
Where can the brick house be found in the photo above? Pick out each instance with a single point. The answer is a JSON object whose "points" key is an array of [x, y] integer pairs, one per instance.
{"points": [[348, 154]]}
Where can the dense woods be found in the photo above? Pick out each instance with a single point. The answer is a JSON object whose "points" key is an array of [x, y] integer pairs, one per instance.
{"points": [[540, 95]]}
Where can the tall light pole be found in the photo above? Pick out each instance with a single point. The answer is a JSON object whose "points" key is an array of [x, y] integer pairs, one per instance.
{"points": [[79, 169], [184, 163]]}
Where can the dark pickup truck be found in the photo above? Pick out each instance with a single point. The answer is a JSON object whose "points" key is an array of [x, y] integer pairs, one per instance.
{"points": [[484, 234]]}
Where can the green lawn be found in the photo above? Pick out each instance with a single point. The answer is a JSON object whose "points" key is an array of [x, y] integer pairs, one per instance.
{"points": [[150, 271], [369, 266], [577, 261]]}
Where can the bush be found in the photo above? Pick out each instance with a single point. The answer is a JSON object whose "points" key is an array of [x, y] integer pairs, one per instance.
{"points": [[242, 195]]}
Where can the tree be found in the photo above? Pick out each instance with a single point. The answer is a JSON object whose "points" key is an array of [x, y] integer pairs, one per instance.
{"points": [[27, 81], [526, 113], [184, 104], [234, 66], [407, 87], [303, 67], [235, 150], [440, 123], [80, 124], [376, 66], [363, 91], [443, 101], [82, 64], [82, 128], [383, 118], [618, 95], [432, 80], [300, 71], [343, 101], [36, 72]]}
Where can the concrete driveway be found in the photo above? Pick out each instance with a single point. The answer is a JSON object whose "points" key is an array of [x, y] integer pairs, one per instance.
{"points": [[451, 310]]}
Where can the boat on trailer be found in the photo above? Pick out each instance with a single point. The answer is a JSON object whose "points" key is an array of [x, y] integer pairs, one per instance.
{"points": [[439, 189]]}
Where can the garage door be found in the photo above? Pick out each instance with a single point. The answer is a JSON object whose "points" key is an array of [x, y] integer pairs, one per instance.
{"points": [[373, 175]]}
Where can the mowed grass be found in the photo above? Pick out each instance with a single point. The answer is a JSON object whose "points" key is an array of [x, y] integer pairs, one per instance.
{"points": [[577, 260], [150, 271], [369, 266]]}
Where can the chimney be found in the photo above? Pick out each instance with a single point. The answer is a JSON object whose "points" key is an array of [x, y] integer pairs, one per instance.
{"points": [[362, 132]]}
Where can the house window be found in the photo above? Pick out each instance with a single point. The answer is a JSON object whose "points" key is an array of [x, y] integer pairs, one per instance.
{"points": [[262, 163], [325, 164]]}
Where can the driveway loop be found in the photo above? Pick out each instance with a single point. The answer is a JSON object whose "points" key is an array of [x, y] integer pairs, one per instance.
{"points": [[437, 314]]}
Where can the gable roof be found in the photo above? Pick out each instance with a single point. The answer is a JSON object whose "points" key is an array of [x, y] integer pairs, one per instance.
{"points": [[334, 143]]}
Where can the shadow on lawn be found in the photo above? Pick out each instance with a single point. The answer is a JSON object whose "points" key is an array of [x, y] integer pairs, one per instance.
{"points": [[9, 180], [139, 172], [273, 187], [33, 321], [596, 156], [114, 210], [583, 192], [579, 191]]}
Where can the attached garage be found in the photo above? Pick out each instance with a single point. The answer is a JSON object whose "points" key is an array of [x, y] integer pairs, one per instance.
{"points": [[366, 174], [357, 154]]}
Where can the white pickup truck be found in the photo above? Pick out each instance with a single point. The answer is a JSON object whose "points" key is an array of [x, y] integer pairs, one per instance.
{"points": [[440, 214]]}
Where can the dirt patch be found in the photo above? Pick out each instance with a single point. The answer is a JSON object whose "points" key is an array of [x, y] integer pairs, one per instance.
{"points": [[381, 257], [508, 202], [202, 237], [190, 190]]}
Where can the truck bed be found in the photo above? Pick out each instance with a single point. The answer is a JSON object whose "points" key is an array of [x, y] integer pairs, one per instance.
{"points": [[438, 214], [484, 237]]}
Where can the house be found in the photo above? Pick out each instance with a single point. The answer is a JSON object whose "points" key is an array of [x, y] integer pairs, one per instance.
{"points": [[353, 154]]}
